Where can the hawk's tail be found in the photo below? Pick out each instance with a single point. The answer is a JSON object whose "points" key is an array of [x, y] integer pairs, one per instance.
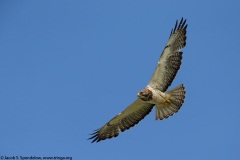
{"points": [[174, 101]]}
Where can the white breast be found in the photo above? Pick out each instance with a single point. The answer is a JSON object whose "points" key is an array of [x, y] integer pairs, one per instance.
{"points": [[158, 96]]}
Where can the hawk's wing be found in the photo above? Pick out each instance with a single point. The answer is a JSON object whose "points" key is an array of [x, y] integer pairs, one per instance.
{"points": [[123, 121], [170, 60]]}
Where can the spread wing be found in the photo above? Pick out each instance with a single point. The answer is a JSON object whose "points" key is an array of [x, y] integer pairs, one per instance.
{"points": [[170, 60], [123, 121]]}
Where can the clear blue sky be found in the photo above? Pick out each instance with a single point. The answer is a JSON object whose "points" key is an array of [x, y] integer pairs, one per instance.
{"points": [[68, 67]]}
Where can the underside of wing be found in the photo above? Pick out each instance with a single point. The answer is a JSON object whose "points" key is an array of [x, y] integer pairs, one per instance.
{"points": [[170, 60], [123, 121]]}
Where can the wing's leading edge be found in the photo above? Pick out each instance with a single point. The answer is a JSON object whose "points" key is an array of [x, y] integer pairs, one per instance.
{"points": [[123, 121], [170, 60]]}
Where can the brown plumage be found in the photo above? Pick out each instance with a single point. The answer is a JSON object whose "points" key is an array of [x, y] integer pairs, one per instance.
{"points": [[167, 103]]}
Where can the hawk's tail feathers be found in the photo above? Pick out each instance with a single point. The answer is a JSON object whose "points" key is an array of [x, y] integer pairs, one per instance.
{"points": [[173, 103]]}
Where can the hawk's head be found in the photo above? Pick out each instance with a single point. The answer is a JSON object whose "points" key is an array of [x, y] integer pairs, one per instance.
{"points": [[145, 94]]}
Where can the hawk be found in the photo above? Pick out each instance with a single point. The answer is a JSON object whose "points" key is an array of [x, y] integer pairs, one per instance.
{"points": [[155, 93]]}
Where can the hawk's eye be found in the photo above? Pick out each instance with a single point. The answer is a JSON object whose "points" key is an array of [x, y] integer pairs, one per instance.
{"points": [[143, 94], [146, 93]]}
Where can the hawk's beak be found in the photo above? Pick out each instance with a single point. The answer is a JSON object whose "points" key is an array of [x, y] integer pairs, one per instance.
{"points": [[138, 94]]}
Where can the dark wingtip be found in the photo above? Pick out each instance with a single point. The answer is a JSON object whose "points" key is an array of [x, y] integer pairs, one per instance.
{"points": [[175, 26], [185, 27], [93, 133], [95, 137], [181, 25]]}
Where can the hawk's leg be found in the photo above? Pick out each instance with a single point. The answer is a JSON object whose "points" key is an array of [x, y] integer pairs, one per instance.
{"points": [[167, 101]]}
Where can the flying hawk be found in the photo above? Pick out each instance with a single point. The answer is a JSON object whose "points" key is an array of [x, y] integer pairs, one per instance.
{"points": [[154, 94]]}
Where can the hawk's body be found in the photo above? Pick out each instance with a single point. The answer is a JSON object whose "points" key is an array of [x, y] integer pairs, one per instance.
{"points": [[154, 94]]}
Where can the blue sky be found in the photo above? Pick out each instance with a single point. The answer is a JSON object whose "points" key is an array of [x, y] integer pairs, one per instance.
{"points": [[68, 67]]}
